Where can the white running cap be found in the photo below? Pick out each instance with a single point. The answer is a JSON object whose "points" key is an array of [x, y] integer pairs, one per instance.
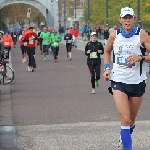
{"points": [[127, 11], [93, 33]]}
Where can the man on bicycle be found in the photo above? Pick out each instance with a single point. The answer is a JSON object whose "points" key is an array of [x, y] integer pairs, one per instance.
{"points": [[8, 43]]}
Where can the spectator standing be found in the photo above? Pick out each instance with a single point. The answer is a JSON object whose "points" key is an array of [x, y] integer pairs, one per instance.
{"points": [[106, 36], [98, 32], [82, 31]]}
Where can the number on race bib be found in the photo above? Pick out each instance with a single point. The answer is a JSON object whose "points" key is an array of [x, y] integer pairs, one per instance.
{"points": [[69, 41], [123, 63], [55, 44], [6, 43], [30, 41], [93, 55]]}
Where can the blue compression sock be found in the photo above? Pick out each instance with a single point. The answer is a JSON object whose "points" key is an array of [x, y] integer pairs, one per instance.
{"points": [[126, 137], [132, 128]]}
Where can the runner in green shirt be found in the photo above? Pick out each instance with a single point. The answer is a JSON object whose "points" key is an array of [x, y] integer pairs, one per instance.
{"points": [[46, 36], [55, 43]]}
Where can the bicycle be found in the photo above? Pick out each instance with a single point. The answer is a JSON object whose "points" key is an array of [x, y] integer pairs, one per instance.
{"points": [[6, 71]]}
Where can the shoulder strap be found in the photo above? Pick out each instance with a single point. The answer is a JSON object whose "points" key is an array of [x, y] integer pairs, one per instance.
{"points": [[138, 31], [118, 31]]}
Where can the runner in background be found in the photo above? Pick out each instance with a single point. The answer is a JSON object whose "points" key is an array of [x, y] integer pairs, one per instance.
{"points": [[46, 37], [14, 36], [31, 39], [40, 41], [93, 51], [55, 44], [68, 38], [75, 32], [23, 46], [8, 43]]}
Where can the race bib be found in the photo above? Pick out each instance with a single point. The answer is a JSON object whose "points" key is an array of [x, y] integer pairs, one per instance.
{"points": [[14, 36], [69, 41], [45, 40], [7, 43], [123, 63], [93, 55], [31, 41], [55, 44], [25, 44]]}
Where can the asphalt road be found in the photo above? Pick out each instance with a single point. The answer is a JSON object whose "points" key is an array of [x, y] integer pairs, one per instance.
{"points": [[53, 108]]}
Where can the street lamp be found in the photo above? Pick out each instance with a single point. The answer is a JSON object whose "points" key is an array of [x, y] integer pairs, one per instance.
{"points": [[65, 15], [75, 12], [75, 7], [107, 14], [138, 12], [88, 19]]}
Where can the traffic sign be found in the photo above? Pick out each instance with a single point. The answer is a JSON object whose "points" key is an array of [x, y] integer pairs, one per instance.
{"points": [[29, 10]]}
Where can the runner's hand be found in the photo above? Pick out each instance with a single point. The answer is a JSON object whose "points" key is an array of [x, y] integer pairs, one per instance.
{"points": [[133, 58], [106, 75], [100, 51], [88, 52]]}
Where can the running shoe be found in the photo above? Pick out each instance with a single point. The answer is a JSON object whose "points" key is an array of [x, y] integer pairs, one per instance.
{"points": [[120, 146], [25, 60], [70, 59], [32, 69], [97, 83], [93, 91], [29, 68], [45, 59], [48, 57]]}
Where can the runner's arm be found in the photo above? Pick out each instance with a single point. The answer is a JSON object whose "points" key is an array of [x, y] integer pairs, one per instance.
{"points": [[101, 47], [86, 49], [109, 48], [145, 41]]}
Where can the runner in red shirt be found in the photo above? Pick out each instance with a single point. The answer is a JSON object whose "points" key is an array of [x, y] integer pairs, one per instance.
{"points": [[75, 32], [23, 46], [31, 39], [8, 43]]}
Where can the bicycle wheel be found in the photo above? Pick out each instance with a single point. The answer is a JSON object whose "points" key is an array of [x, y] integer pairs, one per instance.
{"points": [[9, 76]]}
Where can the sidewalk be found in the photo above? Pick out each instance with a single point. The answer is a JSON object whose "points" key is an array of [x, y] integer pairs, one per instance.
{"points": [[7, 128]]}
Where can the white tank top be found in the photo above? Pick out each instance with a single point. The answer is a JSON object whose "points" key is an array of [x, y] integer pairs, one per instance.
{"points": [[122, 70]]}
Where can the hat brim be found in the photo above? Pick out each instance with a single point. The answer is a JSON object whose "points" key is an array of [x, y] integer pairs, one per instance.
{"points": [[93, 34], [123, 15]]}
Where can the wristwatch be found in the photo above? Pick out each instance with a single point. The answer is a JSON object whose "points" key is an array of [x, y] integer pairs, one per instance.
{"points": [[106, 69], [141, 58]]}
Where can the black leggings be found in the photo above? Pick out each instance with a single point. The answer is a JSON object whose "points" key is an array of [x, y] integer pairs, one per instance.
{"points": [[94, 69], [55, 52], [23, 49], [31, 55], [4, 55]]}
